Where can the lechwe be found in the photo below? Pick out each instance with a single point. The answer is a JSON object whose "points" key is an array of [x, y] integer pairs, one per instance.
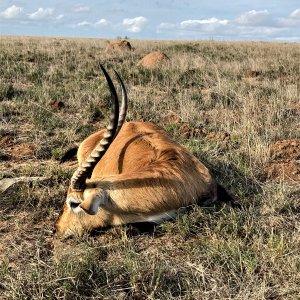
{"points": [[133, 172]]}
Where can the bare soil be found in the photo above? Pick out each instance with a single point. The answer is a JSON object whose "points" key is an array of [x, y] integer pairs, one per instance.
{"points": [[119, 46], [153, 60], [285, 161]]}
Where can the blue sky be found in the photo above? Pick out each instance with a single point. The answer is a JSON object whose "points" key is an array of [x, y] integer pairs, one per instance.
{"points": [[162, 19]]}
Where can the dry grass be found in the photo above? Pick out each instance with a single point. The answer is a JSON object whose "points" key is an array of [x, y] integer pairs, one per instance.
{"points": [[229, 103]]}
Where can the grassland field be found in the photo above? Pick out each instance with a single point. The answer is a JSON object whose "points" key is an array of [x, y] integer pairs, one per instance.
{"points": [[234, 105]]}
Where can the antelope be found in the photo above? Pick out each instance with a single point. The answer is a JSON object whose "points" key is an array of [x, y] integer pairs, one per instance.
{"points": [[133, 172]]}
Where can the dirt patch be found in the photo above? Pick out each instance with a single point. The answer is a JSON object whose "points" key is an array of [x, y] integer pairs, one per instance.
{"points": [[187, 132], [153, 59], [286, 149], [287, 171], [6, 141], [119, 46], [284, 164], [12, 150], [23, 151], [218, 136]]}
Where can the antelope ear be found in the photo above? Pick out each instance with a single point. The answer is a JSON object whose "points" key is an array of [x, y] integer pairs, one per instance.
{"points": [[92, 202]]}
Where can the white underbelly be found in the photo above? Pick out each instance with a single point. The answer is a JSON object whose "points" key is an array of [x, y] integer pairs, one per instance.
{"points": [[159, 218]]}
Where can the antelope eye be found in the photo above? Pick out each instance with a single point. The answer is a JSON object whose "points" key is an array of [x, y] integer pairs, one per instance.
{"points": [[74, 204]]}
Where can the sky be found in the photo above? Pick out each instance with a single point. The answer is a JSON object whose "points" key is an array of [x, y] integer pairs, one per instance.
{"points": [[267, 20]]}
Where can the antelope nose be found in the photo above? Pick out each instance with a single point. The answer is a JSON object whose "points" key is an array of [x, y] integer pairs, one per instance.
{"points": [[53, 230]]}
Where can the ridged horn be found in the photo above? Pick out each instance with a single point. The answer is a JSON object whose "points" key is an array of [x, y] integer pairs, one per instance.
{"points": [[123, 110], [84, 171]]}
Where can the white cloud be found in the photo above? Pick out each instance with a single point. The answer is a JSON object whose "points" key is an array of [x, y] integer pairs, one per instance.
{"points": [[84, 23], [41, 13], [196, 23], [204, 25], [258, 32], [81, 9], [255, 18], [134, 25], [258, 25], [11, 12], [292, 21], [59, 17], [295, 14], [102, 22]]}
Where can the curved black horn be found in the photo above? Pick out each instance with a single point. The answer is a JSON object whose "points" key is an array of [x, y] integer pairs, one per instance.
{"points": [[84, 171], [123, 110]]}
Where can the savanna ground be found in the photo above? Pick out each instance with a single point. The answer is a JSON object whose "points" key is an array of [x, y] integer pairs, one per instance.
{"points": [[234, 105]]}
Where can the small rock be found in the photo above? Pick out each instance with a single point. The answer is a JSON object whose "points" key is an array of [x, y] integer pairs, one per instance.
{"points": [[9, 183]]}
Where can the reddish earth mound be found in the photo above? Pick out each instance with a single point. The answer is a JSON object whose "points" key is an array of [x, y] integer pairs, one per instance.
{"points": [[16, 152], [23, 151], [218, 136], [187, 132], [288, 171], [153, 60], [286, 149], [285, 164], [119, 46]]}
